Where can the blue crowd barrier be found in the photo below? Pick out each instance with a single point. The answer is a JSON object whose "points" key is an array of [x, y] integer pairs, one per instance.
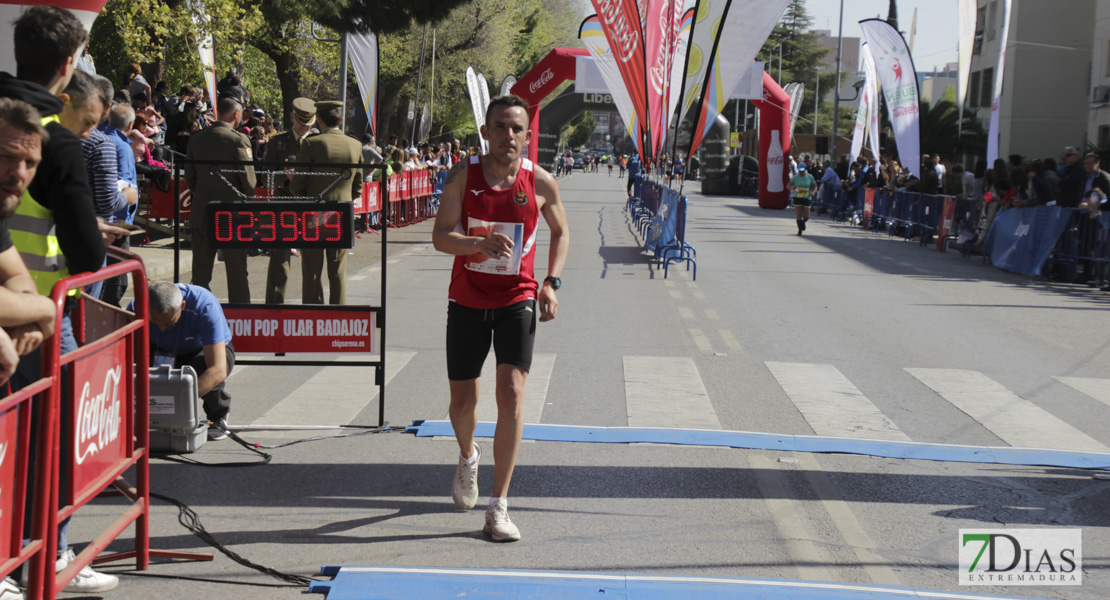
{"points": [[1065, 243], [659, 214]]}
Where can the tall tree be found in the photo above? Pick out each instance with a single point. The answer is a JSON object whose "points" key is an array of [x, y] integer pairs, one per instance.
{"points": [[802, 55]]}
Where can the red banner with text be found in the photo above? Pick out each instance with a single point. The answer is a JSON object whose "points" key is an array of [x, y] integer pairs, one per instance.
{"points": [[339, 329]]}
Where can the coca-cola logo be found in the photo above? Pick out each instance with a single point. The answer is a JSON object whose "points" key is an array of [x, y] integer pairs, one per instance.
{"points": [[902, 111], [98, 416], [186, 199], [545, 77], [774, 160], [618, 28]]}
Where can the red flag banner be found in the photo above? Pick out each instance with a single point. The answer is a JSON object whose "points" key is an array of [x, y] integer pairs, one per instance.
{"points": [[620, 20], [657, 48]]}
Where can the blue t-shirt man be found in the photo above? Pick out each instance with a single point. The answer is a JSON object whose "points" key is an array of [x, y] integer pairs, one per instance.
{"points": [[197, 334], [202, 323]]}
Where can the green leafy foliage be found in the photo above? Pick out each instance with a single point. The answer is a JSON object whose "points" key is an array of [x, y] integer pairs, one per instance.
{"points": [[271, 44], [578, 135], [802, 59]]}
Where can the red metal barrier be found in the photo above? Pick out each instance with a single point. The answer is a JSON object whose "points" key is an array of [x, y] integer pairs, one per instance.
{"points": [[108, 429], [947, 215], [15, 451]]}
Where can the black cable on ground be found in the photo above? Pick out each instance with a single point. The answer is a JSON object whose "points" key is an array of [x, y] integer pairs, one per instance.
{"points": [[191, 521], [257, 448]]}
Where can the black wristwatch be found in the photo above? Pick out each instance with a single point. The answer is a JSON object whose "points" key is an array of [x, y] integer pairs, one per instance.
{"points": [[555, 282]]}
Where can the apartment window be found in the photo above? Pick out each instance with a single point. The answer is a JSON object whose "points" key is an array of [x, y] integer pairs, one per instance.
{"points": [[980, 21], [991, 21], [1107, 61], [973, 93], [986, 88], [1103, 136]]}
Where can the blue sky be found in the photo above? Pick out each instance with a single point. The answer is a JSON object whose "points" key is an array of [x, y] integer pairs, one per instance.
{"points": [[935, 43]]}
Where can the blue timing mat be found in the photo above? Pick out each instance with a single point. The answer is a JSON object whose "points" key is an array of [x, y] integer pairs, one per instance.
{"points": [[384, 583], [997, 455]]}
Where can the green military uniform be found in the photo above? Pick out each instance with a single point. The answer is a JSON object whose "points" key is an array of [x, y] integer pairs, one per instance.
{"points": [[335, 147], [218, 142], [283, 148]]}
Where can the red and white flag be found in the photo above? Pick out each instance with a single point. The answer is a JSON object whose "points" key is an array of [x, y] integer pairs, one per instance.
{"points": [[85, 11], [621, 22]]}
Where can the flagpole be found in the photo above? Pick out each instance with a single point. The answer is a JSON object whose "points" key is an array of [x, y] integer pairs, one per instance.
{"points": [[432, 94], [836, 91]]}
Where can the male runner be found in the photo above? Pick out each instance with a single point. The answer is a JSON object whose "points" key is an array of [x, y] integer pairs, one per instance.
{"points": [[487, 220]]}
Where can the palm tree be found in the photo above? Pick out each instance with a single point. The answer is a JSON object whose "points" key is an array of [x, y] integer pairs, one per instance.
{"points": [[939, 128]]}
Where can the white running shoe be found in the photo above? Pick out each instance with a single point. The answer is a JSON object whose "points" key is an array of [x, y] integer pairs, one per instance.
{"points": [[10, 591], [87, 581], [464, 490], [498, 524]]}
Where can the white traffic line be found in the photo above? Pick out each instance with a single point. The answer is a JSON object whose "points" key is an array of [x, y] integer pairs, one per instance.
{"points": [[841, 514], [666, 392], [1012, 418], [831, 404], [799, 545], [334, 396], [1099, 389]]}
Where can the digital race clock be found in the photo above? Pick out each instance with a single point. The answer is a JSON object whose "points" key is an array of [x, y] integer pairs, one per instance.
{"points": [[280, 224]]}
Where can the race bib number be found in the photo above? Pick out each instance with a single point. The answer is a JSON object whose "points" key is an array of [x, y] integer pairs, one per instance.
{"points": [[481, 263]]}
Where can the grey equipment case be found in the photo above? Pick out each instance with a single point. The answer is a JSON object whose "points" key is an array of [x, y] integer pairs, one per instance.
{"points": [[175, 424]]}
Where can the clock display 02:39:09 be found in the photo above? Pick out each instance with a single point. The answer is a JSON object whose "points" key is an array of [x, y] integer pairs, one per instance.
{"points": [[280, 224]]}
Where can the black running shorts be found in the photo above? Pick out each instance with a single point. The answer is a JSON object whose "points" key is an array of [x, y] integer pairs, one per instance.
{"points": [[802, 201], [512, 329]]}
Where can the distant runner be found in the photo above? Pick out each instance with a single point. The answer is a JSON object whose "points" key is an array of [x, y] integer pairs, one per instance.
{"points": [[803, 184]]}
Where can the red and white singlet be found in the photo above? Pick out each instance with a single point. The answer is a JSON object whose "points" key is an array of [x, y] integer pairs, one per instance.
{"points": [[481, 282]]}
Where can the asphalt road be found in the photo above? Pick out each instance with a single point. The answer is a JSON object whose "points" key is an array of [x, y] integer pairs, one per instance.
{"points": [[838, 332]]}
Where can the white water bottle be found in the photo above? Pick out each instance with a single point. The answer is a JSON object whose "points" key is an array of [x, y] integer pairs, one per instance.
{"points": [[775, 163]]}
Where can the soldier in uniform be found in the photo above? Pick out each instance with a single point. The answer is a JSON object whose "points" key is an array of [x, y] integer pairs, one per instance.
{"points": [[282, 149], [219, 142], [331, 145]]}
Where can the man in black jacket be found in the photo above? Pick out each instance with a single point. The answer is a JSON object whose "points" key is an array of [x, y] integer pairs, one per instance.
{"points": [[47, 40]]}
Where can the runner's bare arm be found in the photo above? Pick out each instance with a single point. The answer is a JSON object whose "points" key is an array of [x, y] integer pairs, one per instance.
{"points": [[556, 218], [448, 235]]}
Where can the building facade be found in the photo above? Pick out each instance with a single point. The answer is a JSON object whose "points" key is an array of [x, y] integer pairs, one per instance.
{"points": [[1046, 84]]}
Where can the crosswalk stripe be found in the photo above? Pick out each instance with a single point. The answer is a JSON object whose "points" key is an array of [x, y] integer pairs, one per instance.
{"points": [[730, 340], [1099, 389], [666, 392], [702, 341], [331, 397], [1012, 418], [831, 404]]}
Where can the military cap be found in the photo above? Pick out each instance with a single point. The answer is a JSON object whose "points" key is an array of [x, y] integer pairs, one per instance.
{"points": [[232, 93], [328, 104], [304, 110]]}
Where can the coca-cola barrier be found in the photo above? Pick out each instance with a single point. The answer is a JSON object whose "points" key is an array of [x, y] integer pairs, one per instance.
{"points": [[108, 394], [15, 476]]}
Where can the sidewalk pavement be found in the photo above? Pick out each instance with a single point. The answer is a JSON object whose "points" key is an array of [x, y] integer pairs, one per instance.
{"points": [[158, 258]]}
